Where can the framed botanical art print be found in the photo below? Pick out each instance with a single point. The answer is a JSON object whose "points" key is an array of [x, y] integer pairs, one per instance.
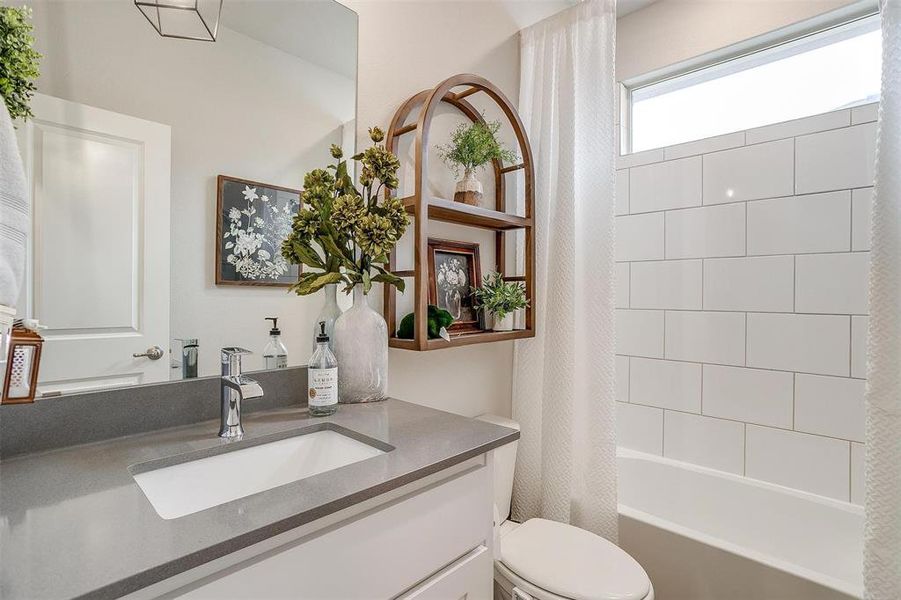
{"points": [[453, 269], [252, 220]]}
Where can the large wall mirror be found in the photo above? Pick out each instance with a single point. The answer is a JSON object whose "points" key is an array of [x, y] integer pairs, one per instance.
{"points": [[163, 172]]}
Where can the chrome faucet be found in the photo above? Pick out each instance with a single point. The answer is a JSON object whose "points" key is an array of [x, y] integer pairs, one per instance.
{"points": [[235, 387]]}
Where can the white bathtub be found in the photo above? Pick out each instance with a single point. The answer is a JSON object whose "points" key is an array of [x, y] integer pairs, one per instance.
{"points": [[705, 534]]}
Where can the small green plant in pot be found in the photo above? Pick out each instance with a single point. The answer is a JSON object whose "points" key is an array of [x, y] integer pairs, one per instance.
{"points": [[18, 61], [472, 147], [500, 299]]}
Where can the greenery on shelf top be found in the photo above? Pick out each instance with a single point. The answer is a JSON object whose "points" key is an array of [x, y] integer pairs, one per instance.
{"points": [[473, 146], [19, 61], [343, 234], [499, 297]]}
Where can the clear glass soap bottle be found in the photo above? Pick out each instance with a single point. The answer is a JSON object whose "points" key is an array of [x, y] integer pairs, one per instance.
{"points": [[275, 354], [322, 375]]}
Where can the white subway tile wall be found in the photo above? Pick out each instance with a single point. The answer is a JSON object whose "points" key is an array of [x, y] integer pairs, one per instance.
{"points": [[674, 284], [670, 184], [639, 237], [837, 159], [720, 142], [807, 462], [760, 283], [715, 443], [750, 395], [861, 207], [640, 427], [704, 232], [859, 327], [800, 224], [832, 283], [622, 192], [665, 384], [742, 301], [710, 337], [735, 175], [622, 285], [857, 480]]}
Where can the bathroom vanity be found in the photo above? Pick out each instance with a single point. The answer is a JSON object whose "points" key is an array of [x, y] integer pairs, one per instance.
{"points": [[382, 500]]}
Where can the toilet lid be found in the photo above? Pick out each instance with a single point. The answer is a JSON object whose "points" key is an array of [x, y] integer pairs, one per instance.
{"points": [[572, 562]]}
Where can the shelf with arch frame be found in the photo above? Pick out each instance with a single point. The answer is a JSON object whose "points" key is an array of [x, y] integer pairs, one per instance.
{"points": [[425, 207]]}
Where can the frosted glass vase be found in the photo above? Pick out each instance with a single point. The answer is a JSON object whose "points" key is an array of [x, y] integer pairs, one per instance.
{"points": [[361, 346], [329, 313]]}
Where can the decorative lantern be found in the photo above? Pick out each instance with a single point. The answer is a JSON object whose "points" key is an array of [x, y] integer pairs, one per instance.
{"points": [[183, 19], [23, 361]]}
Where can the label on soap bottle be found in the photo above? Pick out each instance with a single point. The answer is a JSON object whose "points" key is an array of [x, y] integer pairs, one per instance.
{"points": [[323, 386]]}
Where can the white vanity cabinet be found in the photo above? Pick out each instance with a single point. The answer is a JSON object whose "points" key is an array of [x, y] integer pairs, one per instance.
{"points": [[428, 540]]}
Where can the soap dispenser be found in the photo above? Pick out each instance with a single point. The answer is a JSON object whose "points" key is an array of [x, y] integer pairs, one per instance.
{"points": [[275, 355], [322, 375]]}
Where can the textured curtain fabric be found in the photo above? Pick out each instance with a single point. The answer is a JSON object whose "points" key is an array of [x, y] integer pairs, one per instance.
{"points": [[563, 387], [882, 535]]}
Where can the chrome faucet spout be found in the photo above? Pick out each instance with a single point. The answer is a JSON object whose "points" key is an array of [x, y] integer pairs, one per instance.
{"points": [[235, 388]]}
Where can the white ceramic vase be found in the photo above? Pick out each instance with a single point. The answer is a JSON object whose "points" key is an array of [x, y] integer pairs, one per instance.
{"points": [[469, 189], [361, 347], [505, 324]]}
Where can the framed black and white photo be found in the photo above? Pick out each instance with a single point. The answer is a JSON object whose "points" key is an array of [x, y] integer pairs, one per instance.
{"points": [[252, 221], [453, 270]]}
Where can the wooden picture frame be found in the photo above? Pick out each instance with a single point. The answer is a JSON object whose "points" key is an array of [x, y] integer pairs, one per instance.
{"points": [[254, 265], [455, 297]]}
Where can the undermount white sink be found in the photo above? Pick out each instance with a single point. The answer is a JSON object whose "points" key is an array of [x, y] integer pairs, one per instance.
{"points": [[189, 487]]}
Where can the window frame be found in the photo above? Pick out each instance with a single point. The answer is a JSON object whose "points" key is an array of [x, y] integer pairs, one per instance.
{"points": [[842, 17]]}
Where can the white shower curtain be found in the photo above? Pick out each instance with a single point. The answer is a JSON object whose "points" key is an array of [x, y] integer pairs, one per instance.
{"points": [[563, 387], [882, 536]]}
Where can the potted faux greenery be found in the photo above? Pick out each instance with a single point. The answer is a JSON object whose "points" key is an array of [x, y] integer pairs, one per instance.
{"points": [[343, 235], [18, 61], [472, 147], [500, 299]]}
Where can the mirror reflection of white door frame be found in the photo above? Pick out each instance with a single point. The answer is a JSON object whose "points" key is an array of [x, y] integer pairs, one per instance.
{"points": [[98, 260]]}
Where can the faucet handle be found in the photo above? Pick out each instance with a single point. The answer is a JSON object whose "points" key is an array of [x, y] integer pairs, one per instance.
{"points": [[231, 359], [234, 351], [248, 388]]}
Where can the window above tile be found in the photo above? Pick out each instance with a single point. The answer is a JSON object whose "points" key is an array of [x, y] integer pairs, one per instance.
{"points": [[799, 72]]}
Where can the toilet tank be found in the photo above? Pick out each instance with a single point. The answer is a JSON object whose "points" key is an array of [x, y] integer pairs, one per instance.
{"points": [[504, 465]]}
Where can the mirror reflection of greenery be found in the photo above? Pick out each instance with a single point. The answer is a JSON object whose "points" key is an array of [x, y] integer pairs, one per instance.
{"points": [[19, 61]]}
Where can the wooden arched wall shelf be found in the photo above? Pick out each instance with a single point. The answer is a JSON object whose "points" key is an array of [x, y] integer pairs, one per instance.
{"points": [[425, 207]]}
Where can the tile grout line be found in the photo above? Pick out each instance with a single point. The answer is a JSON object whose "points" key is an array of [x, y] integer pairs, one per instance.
{"points": [[794, 283], [702, 388], [747, 341], [753, 312], [794, 397], [735, 366], [850, 470], [746, 229], [733, 256], [740, 422], [794, 165], [744, 450]]}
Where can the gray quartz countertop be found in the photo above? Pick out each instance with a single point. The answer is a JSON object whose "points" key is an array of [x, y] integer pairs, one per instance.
{"points": [[74, 524]]}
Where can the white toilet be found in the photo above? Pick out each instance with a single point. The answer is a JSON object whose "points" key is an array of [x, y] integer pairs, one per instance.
{"points": [[547, 560]]}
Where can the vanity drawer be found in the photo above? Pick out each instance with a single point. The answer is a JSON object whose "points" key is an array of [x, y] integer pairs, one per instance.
{"points": [[470, 578], [378, 554]]}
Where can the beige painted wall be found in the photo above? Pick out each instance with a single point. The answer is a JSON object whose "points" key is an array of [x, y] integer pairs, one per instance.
{"points": [[670, 31], [406, 47]]}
